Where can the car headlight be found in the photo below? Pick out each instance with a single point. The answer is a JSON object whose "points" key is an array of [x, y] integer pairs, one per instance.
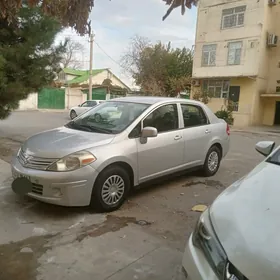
{"points": [[206, 240], [73, 161]]}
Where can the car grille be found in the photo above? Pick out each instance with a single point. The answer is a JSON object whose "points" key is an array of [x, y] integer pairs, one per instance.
{"points": [[34, 162], [37, 189]]}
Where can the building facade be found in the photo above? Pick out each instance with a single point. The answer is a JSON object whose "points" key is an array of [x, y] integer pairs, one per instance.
{"points": [[237, 57]]}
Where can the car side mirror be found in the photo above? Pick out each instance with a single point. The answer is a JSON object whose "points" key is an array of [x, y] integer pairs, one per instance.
{"points": [[148, 132], [265, 147]]}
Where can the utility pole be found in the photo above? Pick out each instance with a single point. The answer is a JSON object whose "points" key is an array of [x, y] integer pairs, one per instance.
{"points": [[91, 39]]}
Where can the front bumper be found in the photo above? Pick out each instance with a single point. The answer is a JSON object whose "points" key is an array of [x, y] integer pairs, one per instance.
{"points": [[73, 188], [196, 265]]}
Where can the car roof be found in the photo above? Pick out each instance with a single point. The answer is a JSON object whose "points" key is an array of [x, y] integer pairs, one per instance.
{"points": [[153, 100]]}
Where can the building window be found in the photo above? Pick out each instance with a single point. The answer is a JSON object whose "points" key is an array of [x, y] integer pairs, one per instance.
{"points": [[209, 55], [234, 53], [216, 88], [233, 17]]}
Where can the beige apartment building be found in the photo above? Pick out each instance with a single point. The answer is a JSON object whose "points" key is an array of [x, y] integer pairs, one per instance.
{"points": [[237, 55]]}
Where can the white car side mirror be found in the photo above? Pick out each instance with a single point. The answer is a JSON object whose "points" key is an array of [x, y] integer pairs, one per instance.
{"points": [[265, 147], [148, 132]]}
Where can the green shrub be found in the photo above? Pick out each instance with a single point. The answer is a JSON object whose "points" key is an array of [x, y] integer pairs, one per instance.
{"points": [[225, 115]]}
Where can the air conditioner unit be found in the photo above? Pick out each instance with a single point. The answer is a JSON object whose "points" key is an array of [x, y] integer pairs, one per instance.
{"points": [[196, 83], [272, 2], [272, 40]]}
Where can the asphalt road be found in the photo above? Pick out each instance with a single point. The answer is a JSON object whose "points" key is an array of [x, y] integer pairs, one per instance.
{"points": [[117, 240], [23, 124]]}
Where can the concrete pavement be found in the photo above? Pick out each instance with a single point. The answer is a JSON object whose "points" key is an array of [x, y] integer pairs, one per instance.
{"points": [[46, 242]]}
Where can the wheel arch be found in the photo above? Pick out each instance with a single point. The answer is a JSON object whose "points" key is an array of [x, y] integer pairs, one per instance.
{"points": [[219, 146], [125, 165]]}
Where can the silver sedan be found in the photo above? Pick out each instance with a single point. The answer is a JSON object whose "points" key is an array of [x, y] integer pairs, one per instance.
{"points": [[96, 158]]}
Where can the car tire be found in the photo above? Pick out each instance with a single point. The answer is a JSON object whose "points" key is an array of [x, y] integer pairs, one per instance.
{"points": [[113, 183], [73, 114], [212, 161]]}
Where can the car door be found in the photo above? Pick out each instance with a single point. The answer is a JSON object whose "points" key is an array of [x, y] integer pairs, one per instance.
{"points": [[163, 154], [81, 108], [196, 133], [86, 106]]}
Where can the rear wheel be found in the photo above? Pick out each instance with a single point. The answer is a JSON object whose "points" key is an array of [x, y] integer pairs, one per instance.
{"points": [[73, 114], [110, 189], [212, 161]]}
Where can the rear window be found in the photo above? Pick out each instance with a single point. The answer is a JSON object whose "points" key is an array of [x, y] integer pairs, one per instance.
{"points": [[275, 158]]}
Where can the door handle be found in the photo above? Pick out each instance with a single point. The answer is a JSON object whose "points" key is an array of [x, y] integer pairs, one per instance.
{"points": [[207, 131], [177, 137]]}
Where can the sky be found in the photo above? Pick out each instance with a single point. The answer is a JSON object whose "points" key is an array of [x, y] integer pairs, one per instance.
{"points": [[115, 22]]}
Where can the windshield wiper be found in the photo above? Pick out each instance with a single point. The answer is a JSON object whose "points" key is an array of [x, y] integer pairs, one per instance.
{"points": [[100, 129], [82, 127], [89, 128]]}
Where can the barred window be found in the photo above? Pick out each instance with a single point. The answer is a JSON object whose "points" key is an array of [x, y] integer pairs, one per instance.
{"points": [[233, 17], [234, 53], [209, 55], [216, 88]]}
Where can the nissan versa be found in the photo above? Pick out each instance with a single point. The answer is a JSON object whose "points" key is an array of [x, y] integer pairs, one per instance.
{"points": [[97, 157], [237, 237]]}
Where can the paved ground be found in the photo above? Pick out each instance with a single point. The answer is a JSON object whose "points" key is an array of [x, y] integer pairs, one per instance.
{"points": [[50, 242]]}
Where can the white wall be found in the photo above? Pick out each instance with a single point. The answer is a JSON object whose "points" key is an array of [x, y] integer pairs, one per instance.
{"points": [[30, 103], [74, 97], [209, 32]]}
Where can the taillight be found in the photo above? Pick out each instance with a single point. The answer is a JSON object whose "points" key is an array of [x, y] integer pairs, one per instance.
{"points": [[228, 130]]}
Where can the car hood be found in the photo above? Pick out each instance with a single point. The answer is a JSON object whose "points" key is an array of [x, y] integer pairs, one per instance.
{"points": [[246, 220], [62, 141]]}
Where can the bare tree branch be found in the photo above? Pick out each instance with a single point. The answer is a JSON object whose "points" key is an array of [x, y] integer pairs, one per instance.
{"points": [[70, 58]]}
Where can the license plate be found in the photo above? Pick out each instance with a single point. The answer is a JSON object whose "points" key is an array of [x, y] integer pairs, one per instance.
{"points": [[19, 175]]}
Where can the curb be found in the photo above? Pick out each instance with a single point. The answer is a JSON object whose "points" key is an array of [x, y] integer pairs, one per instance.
{"points": [[256, 132]]}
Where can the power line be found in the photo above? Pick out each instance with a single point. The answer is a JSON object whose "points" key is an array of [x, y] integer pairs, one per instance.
{"points": [[107, 54], [111, 58]]}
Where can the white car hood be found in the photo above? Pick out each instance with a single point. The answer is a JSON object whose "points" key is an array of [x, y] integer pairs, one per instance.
{"points": [[246, 218]]}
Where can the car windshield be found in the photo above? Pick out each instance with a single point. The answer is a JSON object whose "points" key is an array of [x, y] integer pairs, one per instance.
{"points": [[108, 117], [275, 158]]}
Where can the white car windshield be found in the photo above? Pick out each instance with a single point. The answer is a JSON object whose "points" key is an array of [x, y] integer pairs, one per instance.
{"points": [[275, 158], [108, 117]]}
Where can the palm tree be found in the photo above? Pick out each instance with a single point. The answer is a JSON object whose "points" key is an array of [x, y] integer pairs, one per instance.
{"points": [[178, 3]]}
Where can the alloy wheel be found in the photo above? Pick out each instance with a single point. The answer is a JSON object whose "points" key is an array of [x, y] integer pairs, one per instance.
{"points": [[113, 190]]}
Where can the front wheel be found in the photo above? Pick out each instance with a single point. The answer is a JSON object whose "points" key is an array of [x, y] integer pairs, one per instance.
{"points": [[110, 189], [73, 114], [212, 161]]}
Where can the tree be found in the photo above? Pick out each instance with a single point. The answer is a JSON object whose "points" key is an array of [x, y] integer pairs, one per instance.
{"points": [[173, 4], [73, 13], [28, 59], [158, 69], [70, 58]]}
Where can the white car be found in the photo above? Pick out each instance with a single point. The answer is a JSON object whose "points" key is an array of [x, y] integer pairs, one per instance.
{"points": [[237, 237], [75, 111]]}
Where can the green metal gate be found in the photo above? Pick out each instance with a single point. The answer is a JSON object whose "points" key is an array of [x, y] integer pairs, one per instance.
{"points": [[51, 98], [97, 93]]}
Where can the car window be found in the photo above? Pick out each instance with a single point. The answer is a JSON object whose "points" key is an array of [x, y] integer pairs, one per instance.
{"points": [[275, 158], [163, 119], [193, 115], [91, 103], [136, 131], [85, 104], [108, 117]]}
